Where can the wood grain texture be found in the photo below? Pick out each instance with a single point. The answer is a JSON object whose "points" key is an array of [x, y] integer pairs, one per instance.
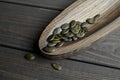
{"points": [[76, 12], [40, 69], [47, 4], [21, 26]]}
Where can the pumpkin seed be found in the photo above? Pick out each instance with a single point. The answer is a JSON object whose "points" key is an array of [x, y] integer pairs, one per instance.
{"points": [[74, 38], [49, 49], [56, 37], [69, 39], [29, 56], [72, 23], [56, 66], [69, 34], [90, 20], [65, 26], [80, 34], [65, 31], [65, 39], [59, 44], [50, 38], [50, 44], [55, 41], [84, 24], [57, 30], [84, 29], [97, 17], [76, 29]]}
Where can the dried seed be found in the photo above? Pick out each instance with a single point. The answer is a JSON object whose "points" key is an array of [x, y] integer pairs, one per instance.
{"points": [[74, 38], [49, 49], [29, 56], [65, 26], [65, 31], [59, 44], [80, 34], [72, 23], [65, 39], [90, 20], [84, 24], [69, 34], [57, 30], [56, 66], [97, 17], [50, 38], [55, 41], [50, 44], [84, 29], [76, 29]]}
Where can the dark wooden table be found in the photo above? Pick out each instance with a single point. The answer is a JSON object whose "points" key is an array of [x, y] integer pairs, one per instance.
{"points": [[22, 22]]}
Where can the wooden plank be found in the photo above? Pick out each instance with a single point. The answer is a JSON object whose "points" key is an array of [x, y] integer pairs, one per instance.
{"points": [[20, 27], [48, 4], [17, 22], [14, 66]]}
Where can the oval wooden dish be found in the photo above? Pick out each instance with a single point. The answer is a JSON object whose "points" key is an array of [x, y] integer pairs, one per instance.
{"points": [[82, 10]]}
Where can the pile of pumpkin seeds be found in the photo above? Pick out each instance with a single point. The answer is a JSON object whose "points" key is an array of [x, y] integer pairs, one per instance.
{"points": [[68, 32]]}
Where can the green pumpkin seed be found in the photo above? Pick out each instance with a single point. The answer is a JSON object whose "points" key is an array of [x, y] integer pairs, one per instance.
{"points": [[56, 37], [65, 26], [59, 44], [65, 31], [84, 24], [97, 17], [80, 34], [76, 29], [72, 23], [69, 39], [57, 30], [56, 66], [29, 56], [65, 39], [84, 29], [50, 44], [69, 34], [55, 41], [50, 38], [74, 38], [90, 20], [49, 49]]}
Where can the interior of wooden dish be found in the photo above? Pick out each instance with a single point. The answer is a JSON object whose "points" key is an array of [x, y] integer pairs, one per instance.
{"points": [[108, 11]]}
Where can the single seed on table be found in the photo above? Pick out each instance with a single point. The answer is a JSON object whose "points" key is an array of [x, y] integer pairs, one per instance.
{"points": [[65, 26], [59, 44], [97, 17], [80, 34], [29, 56], [90, 20], [72, 23], [57, 30], [49, 49], [56, 66]]}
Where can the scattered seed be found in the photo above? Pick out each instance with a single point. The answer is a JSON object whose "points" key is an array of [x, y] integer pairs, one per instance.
{"points": [[56, 66], [30, 56], [69, 34], [80, 34], [50, 38], [65, 31]]}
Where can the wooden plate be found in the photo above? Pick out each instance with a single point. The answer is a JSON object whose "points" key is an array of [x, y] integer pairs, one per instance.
{"points": [[80, 11]]}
